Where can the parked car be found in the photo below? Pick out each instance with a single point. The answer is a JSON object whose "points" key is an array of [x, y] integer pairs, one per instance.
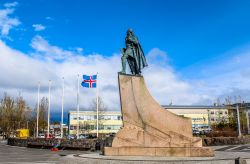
{"points": [[82, 136], [196, 132], [207, 131], [41, 135], [49, 136], [71, 137]]}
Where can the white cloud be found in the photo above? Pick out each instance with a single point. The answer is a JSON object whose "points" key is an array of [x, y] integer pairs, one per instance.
{"points": [[46, 51], [21, 72], [49, 18], [9, 5], [227, 75], [79, 49], [157, 56], [7, 22], [38, 27]]}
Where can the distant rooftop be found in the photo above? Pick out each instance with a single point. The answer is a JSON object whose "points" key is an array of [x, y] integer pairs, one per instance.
{"points": [[192, 107], [92, 111]]}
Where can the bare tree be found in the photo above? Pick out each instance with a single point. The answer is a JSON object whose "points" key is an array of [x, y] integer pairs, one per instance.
{"points": [[85, 127], [43, 109], [228, 100], [7, 118], [20, 112], [13, 114]]}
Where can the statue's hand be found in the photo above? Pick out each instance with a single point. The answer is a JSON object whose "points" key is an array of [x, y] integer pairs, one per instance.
{"points": [[122, 50]]}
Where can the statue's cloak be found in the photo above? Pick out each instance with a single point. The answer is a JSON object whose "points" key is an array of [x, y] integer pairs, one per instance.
{"points": [[137, 60]]}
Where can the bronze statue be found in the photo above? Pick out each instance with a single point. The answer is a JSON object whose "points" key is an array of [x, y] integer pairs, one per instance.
{"points": [[134, 54]]}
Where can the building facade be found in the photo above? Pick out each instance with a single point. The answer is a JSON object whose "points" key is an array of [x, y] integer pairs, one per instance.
{"points": [[109, 122], [202, 116]]}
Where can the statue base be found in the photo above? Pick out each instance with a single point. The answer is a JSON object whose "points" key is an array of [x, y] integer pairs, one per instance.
{"points": [[150, 130], [159, 151]]}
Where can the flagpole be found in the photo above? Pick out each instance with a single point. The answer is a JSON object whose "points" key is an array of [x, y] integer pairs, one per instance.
{"points": [[77, 128], [62, 107], [37, 112], [238, 119], [49, 111], [97, 108]]}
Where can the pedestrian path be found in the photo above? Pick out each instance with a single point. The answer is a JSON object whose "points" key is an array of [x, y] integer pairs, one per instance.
{"points": [[235, 148]]}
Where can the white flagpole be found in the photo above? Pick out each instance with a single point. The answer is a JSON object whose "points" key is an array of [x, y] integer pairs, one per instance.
{"points": [[77, 128], [38, 105], [62, 107], [238, 119], [49, 111], [97, 108]]}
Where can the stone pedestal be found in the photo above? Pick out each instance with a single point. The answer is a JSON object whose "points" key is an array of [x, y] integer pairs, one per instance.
{"points": [[148, 129], [160, 151]]}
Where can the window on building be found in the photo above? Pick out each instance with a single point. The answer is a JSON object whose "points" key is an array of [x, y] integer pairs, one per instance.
{"points": [[114, 118], [212, 112], [101, 117], [92, 127], [117, 127], [90, 118], [107, 127], [107, 118], [81, 126]]}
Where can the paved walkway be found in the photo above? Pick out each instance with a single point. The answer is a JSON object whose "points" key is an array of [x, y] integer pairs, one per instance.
{"points": [[223, 155], [13, 154]]}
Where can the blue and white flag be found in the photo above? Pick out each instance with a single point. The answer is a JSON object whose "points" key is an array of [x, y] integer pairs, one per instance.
{"points": [[89, 81]]}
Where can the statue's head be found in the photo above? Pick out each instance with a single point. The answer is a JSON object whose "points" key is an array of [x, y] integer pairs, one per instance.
{"points": [[130, 31]]}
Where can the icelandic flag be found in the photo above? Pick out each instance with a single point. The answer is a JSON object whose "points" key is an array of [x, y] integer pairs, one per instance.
{"points": [[89, 81]]}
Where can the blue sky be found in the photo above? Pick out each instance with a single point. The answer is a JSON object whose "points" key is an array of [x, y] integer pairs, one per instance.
{"points": [[198, 51], [189, 31]]}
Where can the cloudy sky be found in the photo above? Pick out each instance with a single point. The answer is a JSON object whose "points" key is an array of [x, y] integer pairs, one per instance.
{"points": [[198, 51]]}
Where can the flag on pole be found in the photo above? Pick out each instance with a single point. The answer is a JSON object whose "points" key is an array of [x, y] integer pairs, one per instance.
{"points": [[89, 81]]}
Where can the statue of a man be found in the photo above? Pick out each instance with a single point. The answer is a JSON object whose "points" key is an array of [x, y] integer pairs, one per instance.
{"points": [[134, 54]]}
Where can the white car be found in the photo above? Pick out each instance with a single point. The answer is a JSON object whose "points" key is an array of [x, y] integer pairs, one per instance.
{"points": [[196, 132], [41, 136]]}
